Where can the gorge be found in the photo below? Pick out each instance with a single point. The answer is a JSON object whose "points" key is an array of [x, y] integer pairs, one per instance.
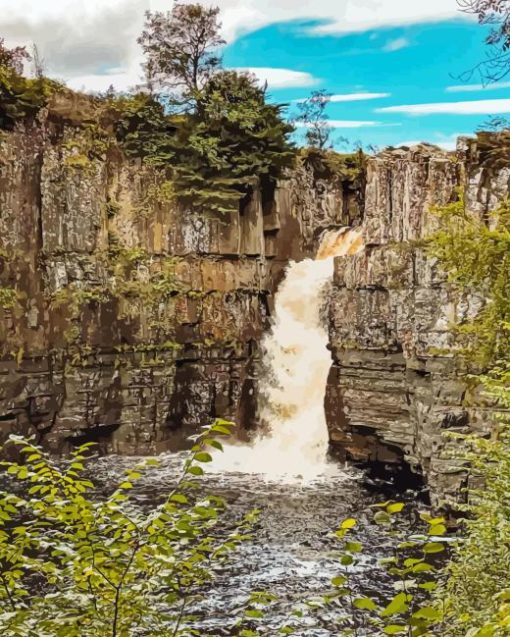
{"points": [[136, 320]]}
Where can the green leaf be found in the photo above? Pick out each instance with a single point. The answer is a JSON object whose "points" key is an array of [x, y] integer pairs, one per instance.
{"points": [[340, 580], [23, 473], [398, 605], [428, 586], [365, 603], [433, 547], [429, 613], [438, 529], [381, 517], [423, 567], [394, 629], [350, 523], [396, 507], [179, 498], [195, 471], [354, 547], [203, 456]]}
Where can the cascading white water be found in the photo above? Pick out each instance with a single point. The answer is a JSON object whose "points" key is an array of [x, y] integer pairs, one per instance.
{"points": [[296, 364]]}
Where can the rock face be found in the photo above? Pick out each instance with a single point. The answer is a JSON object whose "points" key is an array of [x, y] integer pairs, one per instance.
{"points": [[394, 387], [133, 321]]}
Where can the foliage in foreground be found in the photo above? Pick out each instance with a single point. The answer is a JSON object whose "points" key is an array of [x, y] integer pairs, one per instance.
{"points": [[475, 251], [408, 575], [75, 565]]}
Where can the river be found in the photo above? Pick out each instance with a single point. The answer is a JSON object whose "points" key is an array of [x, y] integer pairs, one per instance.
{"points": [[293, 553], [285, 472]]}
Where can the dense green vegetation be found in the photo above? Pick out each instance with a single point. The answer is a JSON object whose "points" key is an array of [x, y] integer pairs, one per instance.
{"points": [[20, 97], [475, 252]]}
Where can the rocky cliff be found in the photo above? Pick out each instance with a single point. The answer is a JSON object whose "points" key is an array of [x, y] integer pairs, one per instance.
{"points": [[124, 318], [129, 320], [395, 387]]}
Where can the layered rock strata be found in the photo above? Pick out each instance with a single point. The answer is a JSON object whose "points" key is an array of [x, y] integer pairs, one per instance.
{"points": [[395, 387], [123, 318]]}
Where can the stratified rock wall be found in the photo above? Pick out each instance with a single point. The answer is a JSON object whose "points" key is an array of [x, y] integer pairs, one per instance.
{"points": [[135, 322], [394, 387]]}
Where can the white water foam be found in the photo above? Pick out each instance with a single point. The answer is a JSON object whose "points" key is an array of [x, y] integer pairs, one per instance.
{"points": [[296, 365]]}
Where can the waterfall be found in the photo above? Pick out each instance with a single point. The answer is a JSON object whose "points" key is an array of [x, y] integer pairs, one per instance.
{"points": [[295, 367]]}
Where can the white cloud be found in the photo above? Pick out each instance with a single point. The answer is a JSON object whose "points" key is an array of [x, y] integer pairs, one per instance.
{"points": [[396, 45], [446, 142], [479, 107], [76, 38], [347, 123], [98, 83], [412, 142], [352, 97], [466, 88], [80, 38], [449, 142], [281, 78], [357, 97], [247, 15]]}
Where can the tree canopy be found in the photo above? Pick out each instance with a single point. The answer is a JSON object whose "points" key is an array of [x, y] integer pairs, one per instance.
{"points": [[497, 14], [181, 49]]}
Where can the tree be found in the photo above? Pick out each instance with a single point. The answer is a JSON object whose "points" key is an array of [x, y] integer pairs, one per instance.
{"points": [[13, 59], [181, 49], [38, 62], [234, 139], [497, 14], [314, 117]]}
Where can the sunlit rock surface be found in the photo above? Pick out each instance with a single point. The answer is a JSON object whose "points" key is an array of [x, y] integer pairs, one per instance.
{"points": [[394, 387], [107, 373]]}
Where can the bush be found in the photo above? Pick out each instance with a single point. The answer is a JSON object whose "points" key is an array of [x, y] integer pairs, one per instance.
{"points": [[76, 565], [476, 253], [21, 97]]}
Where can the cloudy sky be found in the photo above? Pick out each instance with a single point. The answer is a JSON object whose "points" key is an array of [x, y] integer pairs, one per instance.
{"points": [[393, 66]]}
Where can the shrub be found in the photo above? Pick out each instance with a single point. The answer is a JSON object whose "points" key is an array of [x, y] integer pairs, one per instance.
{"points": [[475, 252], [73, 564]]}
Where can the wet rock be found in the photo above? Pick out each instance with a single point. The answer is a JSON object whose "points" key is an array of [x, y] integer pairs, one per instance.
{"points": [[395, 384], [134, 376]]}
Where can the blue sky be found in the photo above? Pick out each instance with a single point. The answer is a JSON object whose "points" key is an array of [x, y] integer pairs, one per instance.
{"points": [[417, 64], [404, 55]]}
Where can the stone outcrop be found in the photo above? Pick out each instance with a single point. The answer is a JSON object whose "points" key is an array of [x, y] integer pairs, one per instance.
{"points": [[395, 387], [133, 321]]}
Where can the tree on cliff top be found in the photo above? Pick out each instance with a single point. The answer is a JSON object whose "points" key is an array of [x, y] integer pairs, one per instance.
{"points": [[13, 59], [233, 139], [312, 115], [181, 50], [497, 14], [225, 137]]}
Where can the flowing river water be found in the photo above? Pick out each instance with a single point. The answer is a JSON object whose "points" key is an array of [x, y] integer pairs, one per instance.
{"points": [[285, 472], [293, 553]]}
